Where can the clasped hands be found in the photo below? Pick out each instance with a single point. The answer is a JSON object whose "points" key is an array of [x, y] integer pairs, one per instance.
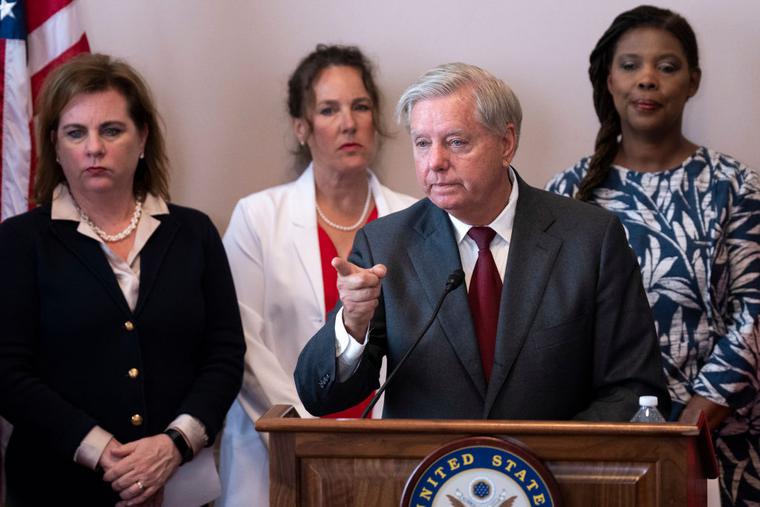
{"points": [[138, 470], [359, 291]]}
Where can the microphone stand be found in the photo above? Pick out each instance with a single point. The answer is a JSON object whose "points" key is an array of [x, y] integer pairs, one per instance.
{"points": [[454, 280]]}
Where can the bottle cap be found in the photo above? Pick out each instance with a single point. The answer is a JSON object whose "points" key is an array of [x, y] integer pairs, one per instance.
{"points": [[648, 401]]}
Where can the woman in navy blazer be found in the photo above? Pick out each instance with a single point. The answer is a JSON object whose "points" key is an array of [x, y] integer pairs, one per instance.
{"points": [[121, 347]]}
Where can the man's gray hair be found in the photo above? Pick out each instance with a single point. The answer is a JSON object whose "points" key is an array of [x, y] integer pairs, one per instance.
{"points": [[496, 105]]}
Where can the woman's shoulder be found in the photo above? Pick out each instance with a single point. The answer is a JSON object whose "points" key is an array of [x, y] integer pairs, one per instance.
{"points": [[33, 219], [25, 232], [269, 199], [187, 213], [190, 219], [725, 170], [567, 182], [263, 213], [720, 163]]}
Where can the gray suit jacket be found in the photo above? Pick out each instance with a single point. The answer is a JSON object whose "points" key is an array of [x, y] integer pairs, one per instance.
{"points": [[575, 337]]}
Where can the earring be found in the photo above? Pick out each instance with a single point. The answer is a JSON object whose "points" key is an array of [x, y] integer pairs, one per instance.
{"points": [[142, 155], [58, 160]]}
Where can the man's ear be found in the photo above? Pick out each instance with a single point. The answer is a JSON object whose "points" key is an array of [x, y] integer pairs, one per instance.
{"points": [[509, 142]]}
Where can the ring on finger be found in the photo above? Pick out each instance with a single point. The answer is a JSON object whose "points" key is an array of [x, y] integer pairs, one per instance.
{"points": [[140, 485]]}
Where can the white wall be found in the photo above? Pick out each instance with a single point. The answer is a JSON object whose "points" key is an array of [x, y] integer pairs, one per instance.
{"points": [[218, 71]]}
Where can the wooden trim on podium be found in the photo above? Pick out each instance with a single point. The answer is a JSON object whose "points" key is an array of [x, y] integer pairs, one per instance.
{"points": [[366, 462]]}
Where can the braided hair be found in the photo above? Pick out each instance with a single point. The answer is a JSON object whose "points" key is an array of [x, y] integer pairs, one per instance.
{"points": [[607, 144]]}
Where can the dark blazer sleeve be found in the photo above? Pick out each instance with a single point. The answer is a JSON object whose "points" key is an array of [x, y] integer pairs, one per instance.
{"points": [[627, 361], [222, 349], [316, 371], [25, 399]]}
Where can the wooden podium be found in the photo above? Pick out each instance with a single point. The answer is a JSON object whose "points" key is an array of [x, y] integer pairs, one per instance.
{"points": [[327, 462]]}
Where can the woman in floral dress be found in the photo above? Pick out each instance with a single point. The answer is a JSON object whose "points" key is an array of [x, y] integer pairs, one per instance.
{"points": [[692, 215]]}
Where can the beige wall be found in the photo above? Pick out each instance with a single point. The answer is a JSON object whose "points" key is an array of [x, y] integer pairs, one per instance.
{"points": [[218, 70]]}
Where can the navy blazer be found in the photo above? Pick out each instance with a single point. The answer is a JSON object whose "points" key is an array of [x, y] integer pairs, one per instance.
{"points": [[69, 340], [575, 337]]}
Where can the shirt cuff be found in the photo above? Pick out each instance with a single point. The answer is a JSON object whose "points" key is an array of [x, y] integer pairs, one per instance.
{"points": [[192, 429], [91, 448], [348, 351]]}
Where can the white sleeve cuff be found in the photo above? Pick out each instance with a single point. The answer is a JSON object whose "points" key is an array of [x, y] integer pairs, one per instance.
{"points": [[91, 448], [348, 351], [192, 429]]}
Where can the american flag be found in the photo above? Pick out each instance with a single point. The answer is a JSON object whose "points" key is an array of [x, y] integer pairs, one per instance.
{"points": [[35, 37]]}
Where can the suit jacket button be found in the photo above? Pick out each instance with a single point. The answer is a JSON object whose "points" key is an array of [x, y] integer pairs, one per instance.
{"points": [[129, 326], [137, 420], [133, 373]]}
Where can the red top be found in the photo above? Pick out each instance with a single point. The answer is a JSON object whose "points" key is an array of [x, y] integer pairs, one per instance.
{"points": [[328, 251]]}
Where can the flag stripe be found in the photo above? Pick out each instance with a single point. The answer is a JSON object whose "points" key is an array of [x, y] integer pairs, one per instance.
{"points": [[81, 46], [16, 139], [39, 35], [38, 11], [59, 33]]}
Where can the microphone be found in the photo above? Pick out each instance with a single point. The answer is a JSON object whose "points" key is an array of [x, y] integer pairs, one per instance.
{"points": [[454, 280]]}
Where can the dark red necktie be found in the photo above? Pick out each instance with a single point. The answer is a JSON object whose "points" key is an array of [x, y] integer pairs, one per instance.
{"points": [[484, 296]]}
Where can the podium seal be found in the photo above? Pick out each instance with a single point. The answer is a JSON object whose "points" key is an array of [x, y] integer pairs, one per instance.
{"points": [[481, 472]]}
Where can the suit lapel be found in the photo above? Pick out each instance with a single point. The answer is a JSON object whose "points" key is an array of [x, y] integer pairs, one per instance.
{"points": [[433, 258], [152, 256], [531, 256], [89, 252]]}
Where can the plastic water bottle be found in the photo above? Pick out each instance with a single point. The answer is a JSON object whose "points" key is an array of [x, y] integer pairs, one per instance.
{"points": [[648, 412]]}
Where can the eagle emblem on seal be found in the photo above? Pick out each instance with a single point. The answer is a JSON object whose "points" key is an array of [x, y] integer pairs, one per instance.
{"points": [[458, 503]]}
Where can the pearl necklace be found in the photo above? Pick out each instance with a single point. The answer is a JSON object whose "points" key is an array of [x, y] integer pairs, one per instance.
{"points": [[347, 228], [113, 238]]}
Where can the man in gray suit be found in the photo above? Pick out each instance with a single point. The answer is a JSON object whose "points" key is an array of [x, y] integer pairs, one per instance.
{"points": [[552, 322]]}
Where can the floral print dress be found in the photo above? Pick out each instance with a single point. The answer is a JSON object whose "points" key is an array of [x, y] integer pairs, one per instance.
{"points": [[696, 232]]}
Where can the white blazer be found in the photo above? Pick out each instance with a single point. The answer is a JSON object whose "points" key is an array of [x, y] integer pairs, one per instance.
{"points": [[273, 250]]}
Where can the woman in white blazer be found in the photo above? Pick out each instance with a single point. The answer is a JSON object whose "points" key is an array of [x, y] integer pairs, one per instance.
{"points": [[276, 245]]}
